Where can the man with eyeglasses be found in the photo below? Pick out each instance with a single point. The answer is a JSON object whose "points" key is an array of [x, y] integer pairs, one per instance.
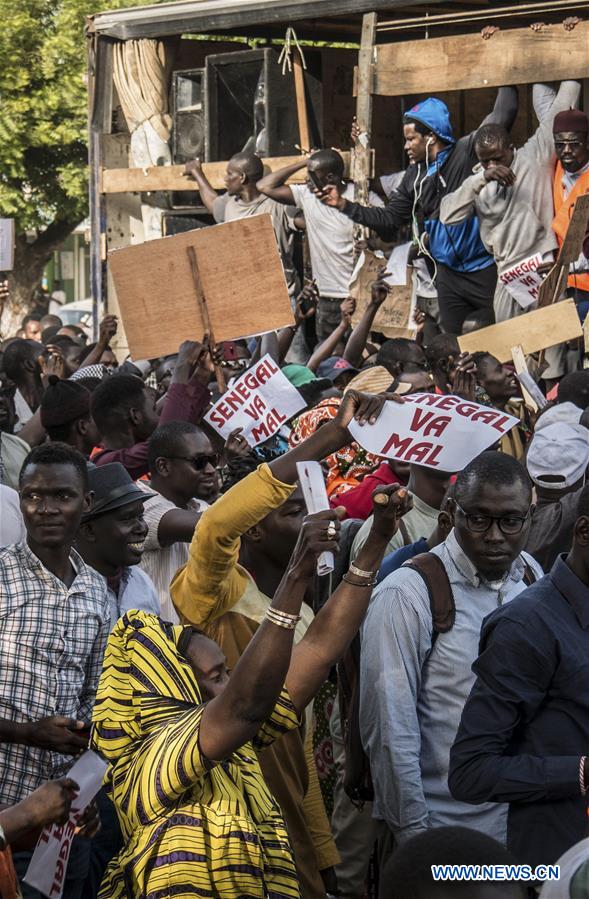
{"points": [[524, 734], [413, 682], [184, 482], [571, 180]]}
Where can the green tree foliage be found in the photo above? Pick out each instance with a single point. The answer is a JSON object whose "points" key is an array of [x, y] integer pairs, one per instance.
{"points": [[43, 126]]}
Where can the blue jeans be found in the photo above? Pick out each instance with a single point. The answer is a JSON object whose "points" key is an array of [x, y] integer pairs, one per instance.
{"points": [[77, 871]]}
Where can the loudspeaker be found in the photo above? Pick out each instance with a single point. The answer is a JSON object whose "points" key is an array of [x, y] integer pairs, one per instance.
{"points": [[189, 115], [251, 105]]}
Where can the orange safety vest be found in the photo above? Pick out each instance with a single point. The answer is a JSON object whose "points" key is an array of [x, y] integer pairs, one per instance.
{"points": [[563, 208]]}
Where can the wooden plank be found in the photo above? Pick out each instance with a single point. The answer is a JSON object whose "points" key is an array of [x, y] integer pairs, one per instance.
{"points": [[572, 245], [241, 275], [534, 331], [462, 62], [365, 86], [170, 177], [303, 118]]}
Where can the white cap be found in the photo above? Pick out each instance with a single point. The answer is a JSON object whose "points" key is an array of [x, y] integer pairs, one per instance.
{"points": [[558, 450], [563, 413]]}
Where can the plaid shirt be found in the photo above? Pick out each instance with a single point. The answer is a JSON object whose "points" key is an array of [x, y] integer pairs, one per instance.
{"points": [[53, 640]]}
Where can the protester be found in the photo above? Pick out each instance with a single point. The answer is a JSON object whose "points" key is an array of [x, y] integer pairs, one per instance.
{"points": [[421, 663], [238, 558], [510, 194], [182, 485], [264, 698], [330, 236], [54, 623], [58, 298], [571, 180], [65, 415], [12, 528], [21, 367], [465, 272], [123, 408], [243, 199], [525, 727], [409, 872], [31, 327]]}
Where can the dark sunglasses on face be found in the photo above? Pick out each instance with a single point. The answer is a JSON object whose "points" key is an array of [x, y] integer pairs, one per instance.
{"points": [[199, 462]]}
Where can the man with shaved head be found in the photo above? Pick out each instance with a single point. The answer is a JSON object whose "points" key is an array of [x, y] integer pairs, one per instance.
{"points": [[243, 199]]}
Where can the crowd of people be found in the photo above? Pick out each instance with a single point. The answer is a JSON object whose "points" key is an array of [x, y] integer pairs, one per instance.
{"points": [[271, 732]]}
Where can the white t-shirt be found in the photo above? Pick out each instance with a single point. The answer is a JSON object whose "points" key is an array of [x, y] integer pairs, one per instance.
{"points": [[12, 526], [331, 240]]}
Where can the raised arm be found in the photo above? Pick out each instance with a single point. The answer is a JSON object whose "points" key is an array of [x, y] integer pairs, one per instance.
{"points": [[274, 185], [354, 349], [385, 220], [326, 349], [505, 109], [337, 623], [236, 716], [461, 203], [207, 193], [106, 332]]}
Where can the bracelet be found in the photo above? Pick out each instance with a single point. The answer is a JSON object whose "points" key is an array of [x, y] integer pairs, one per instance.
{"points": [[371, 583], [582, 775], [359, 572], [282, 619]]}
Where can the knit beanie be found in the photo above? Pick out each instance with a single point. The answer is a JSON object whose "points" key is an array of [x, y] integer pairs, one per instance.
{"points": [[570, 120], [64, 402]]}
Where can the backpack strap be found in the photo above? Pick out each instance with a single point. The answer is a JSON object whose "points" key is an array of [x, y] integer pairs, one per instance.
{"points": [[529, 577], [441, 599]]}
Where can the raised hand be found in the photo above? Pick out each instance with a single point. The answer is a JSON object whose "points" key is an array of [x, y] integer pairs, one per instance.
{"points": [[320, 533], [502, 174], [364, 407], [389, 504]]}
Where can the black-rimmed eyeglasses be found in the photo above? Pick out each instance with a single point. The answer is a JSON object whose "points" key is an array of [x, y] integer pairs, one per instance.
{"points": [[479, 524]]}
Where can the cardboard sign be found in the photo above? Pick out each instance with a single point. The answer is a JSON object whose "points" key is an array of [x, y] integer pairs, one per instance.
{"points": [[533, 396], [537, 330], [523, 281], [6, 245], [443, 432], [47, 869], [394, 317], [260, 402], [242, 277], [310, 475]]}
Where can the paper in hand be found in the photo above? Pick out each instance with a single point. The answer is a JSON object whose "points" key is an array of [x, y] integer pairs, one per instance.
{"points": [[313, 486]]}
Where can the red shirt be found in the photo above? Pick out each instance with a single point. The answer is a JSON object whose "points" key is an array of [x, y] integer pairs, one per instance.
{"points": [[358, 501]]}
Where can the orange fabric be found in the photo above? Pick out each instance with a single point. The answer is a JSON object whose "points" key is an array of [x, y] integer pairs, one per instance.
{"points": [[9, 888], [563, 209]]}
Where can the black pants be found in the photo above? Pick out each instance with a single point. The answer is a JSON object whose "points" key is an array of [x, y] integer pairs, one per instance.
{"points": [[464, 294]]}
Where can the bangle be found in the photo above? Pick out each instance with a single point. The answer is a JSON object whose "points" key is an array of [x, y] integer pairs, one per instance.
{"points": [[582, 775], [282, 619], [360, 573], [371, 583]]}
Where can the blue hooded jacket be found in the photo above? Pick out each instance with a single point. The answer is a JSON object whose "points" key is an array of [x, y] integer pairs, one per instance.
{"points": [[458, 246]]}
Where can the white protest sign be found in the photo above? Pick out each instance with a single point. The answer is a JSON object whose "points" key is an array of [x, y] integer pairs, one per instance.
{"points": [[6, 245], [260, 402], [47, 869], [523, 281], [312, 484], [443, 432], [396, 271]]}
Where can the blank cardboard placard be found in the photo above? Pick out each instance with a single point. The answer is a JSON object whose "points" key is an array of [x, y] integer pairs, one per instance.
{"points": [[242, 278], [393, 318], [534, 331]]}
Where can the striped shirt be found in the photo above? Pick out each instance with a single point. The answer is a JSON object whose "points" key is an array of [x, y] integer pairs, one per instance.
{"points": [[53, 639], [161, 563]]}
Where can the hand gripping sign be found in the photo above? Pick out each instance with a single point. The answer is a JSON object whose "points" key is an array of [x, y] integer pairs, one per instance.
{"points": [[48, 866], [260, 402], [443, 432]]}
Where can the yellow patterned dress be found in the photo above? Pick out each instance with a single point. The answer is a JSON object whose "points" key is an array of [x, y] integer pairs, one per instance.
{"points": [[191, 829]]}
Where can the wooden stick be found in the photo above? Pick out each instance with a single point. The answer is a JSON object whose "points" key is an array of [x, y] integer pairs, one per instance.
{"points": [[204, 311], [299, 80]]}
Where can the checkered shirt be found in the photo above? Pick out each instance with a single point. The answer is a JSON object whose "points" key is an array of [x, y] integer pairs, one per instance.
{"points": [[52, 641]]}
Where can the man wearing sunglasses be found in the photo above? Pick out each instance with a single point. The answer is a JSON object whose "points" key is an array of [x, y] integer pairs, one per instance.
{"points": [[571, 180], [184, 482], [414, 682]]}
